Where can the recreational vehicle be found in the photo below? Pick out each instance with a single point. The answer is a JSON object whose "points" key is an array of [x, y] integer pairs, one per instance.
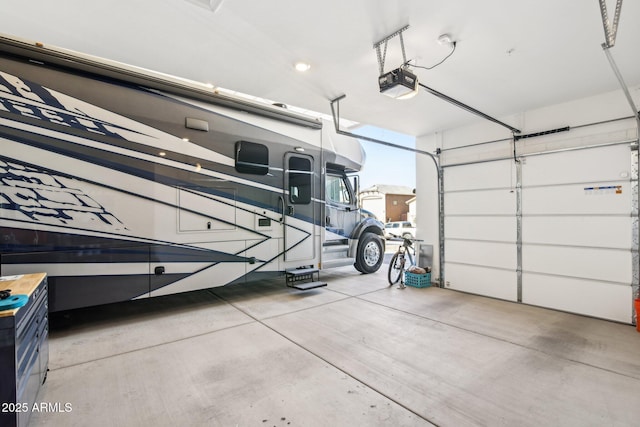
{"points": [[121, 183]]}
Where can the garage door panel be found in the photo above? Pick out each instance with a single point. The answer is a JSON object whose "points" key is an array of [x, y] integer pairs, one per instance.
{"points": [[577, 199], [482, 281], [593, 165], [491, 254], [596, 231], [592, 298], [613, 265], [479, 176], [500, 228], [489, 202]]}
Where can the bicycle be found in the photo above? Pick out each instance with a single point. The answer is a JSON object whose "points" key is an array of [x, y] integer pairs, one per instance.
{"points": [[398, 264]]}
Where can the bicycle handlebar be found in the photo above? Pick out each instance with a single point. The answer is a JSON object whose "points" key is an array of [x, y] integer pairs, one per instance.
{"points": [[409, 242]]}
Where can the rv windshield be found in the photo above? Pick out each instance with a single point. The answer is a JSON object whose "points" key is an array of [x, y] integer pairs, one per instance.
{"points": [[337, 190]]}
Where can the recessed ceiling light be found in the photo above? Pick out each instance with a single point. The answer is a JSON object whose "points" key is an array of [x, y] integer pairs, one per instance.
{"points": [[302, 66]]}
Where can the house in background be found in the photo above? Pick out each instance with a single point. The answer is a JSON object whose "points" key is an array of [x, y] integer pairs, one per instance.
{"points": [[387, 202]]}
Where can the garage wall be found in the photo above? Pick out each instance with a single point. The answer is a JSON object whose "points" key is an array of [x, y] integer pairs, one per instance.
{"points": [[557, 228]]}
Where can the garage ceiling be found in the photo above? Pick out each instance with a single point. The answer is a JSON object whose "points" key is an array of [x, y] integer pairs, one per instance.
{"points": [[510, 56]]}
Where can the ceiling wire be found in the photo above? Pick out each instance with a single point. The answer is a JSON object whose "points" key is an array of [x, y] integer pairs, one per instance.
{"points": [[453, 49]]}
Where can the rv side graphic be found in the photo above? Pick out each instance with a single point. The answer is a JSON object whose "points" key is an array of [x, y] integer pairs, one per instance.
{"points": [[121, 183]]}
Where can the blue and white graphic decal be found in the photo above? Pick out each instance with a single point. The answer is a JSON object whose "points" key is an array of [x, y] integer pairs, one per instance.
{"points": [[33, 101], [33, 195]]}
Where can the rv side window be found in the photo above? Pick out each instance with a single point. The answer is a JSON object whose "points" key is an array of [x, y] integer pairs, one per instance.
{"points": [[337, 190], [299, 181], [252, 158]]}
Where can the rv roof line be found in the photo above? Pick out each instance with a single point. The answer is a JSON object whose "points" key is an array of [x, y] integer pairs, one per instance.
{"points": [[36, 51]]}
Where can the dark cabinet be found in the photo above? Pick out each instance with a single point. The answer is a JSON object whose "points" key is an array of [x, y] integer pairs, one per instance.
{"points": [[24, 349]]}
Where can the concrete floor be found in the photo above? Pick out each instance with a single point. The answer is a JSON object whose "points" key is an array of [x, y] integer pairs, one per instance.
{"points": [[356, 353]]}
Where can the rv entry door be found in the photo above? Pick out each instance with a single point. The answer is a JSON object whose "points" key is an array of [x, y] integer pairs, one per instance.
{"points": [[299, 218]]}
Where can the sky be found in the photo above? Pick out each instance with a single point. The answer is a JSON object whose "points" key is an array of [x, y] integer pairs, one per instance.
{"points": [[387, 165]]}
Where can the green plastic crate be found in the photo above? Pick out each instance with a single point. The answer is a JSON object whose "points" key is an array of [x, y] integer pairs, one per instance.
{"points": [[417, 280]]}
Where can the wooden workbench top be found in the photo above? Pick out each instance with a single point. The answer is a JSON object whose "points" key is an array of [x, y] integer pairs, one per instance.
{"points": [[20, 284]]}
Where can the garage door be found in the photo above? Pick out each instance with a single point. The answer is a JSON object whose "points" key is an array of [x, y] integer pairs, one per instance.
{"points": [[480, 229], [577, 231], [563, 240]]}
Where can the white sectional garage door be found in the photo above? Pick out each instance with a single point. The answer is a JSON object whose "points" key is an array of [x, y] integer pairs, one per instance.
{"points": [[480, 229], [577, 231], [571, 247]]}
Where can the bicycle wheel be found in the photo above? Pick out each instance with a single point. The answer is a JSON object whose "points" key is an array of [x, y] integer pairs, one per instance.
{"points": [[396, 265]]}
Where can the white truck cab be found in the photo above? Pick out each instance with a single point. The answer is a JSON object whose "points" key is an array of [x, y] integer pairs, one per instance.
{"points": [[399, 229]]}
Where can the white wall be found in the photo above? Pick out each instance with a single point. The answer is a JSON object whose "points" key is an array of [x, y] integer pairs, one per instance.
{"points": [[576, 250], [411, 216], [375, 204], [427, 197]]}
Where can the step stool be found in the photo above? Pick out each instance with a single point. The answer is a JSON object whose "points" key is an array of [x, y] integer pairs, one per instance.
{"points": [[303, 278]]}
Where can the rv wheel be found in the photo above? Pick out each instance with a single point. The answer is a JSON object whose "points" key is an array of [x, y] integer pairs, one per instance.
{"points": [[370, 253]]}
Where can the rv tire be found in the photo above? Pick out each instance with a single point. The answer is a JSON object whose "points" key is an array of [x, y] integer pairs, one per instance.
{"points": [[370, 253]]}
